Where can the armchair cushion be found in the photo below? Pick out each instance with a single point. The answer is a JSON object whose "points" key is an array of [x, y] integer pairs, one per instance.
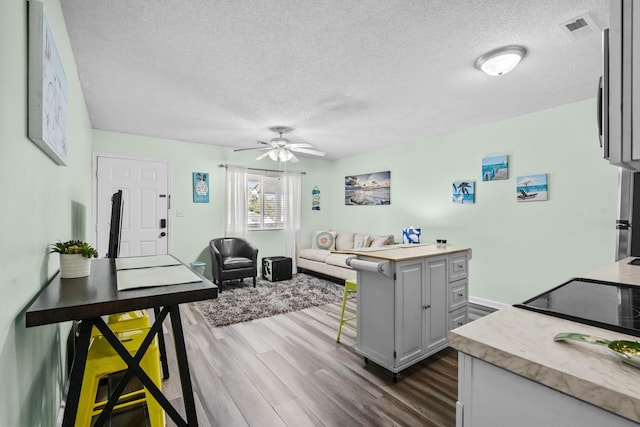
{"points": [[234, 262]]}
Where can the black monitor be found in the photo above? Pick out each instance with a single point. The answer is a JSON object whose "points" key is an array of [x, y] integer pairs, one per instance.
{"points": [[116, 225]]}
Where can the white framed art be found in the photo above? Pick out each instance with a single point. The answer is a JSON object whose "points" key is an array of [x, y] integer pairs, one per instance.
{"points": [[48, 92]]}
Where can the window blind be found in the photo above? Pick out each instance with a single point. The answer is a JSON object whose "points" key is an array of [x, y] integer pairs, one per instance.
{"points": [[265, 202]]}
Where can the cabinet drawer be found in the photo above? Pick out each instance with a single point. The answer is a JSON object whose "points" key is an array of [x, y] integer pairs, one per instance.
{"points": [[458, 318], [458, 267], [458, 294]]}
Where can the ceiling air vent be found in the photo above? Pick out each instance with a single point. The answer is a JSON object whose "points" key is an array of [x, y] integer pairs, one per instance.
{"points": [[580, 27]]}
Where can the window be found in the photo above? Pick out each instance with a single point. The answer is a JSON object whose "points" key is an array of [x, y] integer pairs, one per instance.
{"points": [[265, 204]]}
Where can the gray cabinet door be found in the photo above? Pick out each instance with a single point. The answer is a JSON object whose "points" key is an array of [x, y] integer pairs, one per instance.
{"points": [[411, 298], [436, 290]]}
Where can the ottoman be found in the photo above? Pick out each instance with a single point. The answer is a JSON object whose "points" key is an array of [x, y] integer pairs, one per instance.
{"points": [[276, 268]]}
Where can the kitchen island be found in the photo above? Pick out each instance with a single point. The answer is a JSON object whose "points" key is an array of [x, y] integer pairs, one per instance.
{"points": [[409, 297], [512, 372]]}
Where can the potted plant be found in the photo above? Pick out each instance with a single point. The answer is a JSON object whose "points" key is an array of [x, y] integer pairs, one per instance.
{"points": [[75, 258]]}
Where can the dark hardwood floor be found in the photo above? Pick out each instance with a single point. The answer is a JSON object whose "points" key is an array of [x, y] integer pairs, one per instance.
{"points": [[288, 370]]}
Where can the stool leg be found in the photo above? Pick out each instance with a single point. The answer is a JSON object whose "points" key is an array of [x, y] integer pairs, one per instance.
{"points": [[344, 304], [163, 348]]}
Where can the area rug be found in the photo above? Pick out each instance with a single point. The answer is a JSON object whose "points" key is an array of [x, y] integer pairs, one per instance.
{"points": [[242, 302]]}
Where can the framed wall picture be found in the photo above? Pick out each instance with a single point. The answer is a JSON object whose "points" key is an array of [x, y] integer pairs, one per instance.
{"points": [[368, 189], [48, 92], [532, 188], [200, 187], [495, 168], [464, 192]]}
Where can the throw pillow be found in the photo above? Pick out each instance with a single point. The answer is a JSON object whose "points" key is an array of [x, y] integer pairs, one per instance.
{"points": [[361, 241], [381, 240], [325, 240], [344, 241]]}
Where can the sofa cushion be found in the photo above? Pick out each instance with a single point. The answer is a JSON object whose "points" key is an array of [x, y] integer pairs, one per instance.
{"points": [[344, 241], [324, 240], [384, 240], [314, 254], [361, 241], [339, 260]]}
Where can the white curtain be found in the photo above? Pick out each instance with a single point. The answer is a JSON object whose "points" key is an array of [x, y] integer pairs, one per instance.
{"points": [[236, 195], [292, 194]]}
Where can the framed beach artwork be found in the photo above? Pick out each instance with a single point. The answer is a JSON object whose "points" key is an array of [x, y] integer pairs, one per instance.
{"points": [[200, 187], [531, 188], [48, 92], [464, 192], [495, 168], [368, 189]]}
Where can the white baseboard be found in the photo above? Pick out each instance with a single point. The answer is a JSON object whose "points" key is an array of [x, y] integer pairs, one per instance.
{"points": [[488, 303]]}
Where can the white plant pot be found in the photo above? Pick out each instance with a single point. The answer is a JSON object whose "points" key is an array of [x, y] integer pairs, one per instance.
{"points": [[74, 265]]}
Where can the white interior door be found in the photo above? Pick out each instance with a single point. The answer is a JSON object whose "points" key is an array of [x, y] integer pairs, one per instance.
{"points": [[144, 185]]}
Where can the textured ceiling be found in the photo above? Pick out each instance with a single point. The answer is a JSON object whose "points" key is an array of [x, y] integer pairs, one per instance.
{"points": [[349, 76]]}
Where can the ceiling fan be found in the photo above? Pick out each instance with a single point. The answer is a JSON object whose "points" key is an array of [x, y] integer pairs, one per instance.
{"points": [[281, 149]]}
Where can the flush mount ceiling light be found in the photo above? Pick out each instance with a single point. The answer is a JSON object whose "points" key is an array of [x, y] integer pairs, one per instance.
{"points": [[502, 60]]}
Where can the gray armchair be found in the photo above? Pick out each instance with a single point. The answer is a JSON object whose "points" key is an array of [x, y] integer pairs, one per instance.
{"points": [[233, 258]]}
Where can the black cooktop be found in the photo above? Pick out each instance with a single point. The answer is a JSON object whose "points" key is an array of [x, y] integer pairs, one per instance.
{"points": [[607, 305]]}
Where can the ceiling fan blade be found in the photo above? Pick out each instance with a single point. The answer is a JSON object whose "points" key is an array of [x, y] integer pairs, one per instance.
{"points": [[301, 145], [263, 155], [268, 145], [307, 151], [252, 148], [293, 158]]}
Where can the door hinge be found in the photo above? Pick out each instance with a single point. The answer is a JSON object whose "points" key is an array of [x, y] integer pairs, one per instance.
{"points": [[394, 276], [394, 354]]}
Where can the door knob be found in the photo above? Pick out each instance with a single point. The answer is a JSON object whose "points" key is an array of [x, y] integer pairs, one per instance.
{"points": [[163, 234]]}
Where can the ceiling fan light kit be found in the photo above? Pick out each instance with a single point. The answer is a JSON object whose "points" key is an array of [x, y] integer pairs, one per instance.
{"points": [[499, 62], [280, 149]]}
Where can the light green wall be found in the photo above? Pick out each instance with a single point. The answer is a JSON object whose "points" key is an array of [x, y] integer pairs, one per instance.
{"points": [[202, 222], [519, 249], [41, 203]]}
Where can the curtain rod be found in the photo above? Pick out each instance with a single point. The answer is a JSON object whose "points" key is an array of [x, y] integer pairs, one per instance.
{"points": [[224, 165]]}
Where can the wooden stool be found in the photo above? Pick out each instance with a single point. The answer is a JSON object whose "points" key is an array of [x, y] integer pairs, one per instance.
{"points": [[349, 286], [102, 360]]}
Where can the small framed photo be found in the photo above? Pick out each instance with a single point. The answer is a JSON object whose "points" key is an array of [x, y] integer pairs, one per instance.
{"points": [[495, 168], [532, 188], [464, 192], [200, 187]]}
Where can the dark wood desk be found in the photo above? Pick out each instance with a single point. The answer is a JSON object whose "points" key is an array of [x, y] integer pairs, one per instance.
{"points": [[88, 298]]}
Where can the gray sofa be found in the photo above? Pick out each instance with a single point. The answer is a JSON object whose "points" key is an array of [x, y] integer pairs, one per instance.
{"points": [[320, 257]]}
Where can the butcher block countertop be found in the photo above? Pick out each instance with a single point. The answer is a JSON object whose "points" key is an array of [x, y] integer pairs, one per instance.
{"points": [[521, 341], [404, 252]]}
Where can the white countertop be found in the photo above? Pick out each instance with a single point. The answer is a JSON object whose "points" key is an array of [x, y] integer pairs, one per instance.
{"points": [[521, 341], [404, 252], [620, 272]]}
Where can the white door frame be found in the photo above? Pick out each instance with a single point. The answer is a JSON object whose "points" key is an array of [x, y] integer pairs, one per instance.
{"points": [[94, 193]]}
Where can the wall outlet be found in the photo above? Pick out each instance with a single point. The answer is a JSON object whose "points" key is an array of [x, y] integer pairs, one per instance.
{"points": [[179, 214]]}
